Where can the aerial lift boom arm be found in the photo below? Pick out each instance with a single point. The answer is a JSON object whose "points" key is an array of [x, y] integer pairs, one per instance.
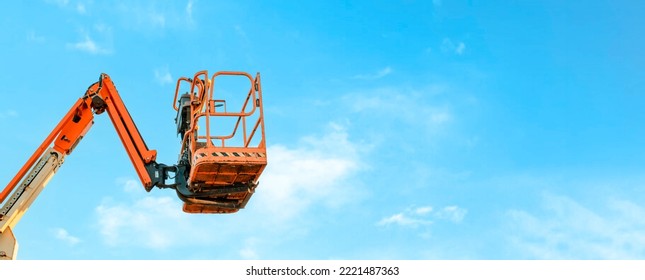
{"points": [[217, 171], [105, 97], [44, 162]]}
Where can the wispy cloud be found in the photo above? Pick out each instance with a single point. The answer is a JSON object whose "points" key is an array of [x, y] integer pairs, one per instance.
{"points": [[241, 33], [422, 211], [130, 186], [78, 6], [90, 45], [403, 219], [313, 173], [162, 75], [32, 36], [412, 106], [156, 16], [244, 43], [451, 213], [150, 222], [450, 46], [141, 15], [567, 229], [189, 11], [461, 47], [9, 113], [375, 76], [249, 252], [423, 216], [59, 3], [63, 235], [143, 220], [156, 19], [299, 178]]}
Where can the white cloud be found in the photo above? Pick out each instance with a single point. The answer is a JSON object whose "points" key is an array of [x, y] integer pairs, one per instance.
{"points": [[439, 117], [240, 32], [424, 215], [131, 186], [566, 229], [249, 252], [143, 220], [157, 19], [423, 210], [36, 38], [413, 106], [315, 174], [140, 15], [156, 15], [90, 45], [403, 219], [80, 8], [150, 222], [10, 113], [189, 11], [59, 3], [449, 46], [63, 235], [162, 75], [375, 76], [452, 213], [461, 47]]}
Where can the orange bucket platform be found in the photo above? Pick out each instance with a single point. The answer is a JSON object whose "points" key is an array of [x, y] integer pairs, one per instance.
{"points": [[226, 150]]}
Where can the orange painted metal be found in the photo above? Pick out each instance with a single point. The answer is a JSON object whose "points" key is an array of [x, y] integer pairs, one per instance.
{"points": [[216, 164], [66, 133], [79, 119], [222, 171], [127, 130], [74, 129]]}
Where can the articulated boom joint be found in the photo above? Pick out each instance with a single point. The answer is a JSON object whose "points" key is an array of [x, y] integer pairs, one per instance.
{"points": [[160, 172], [98, 104]]}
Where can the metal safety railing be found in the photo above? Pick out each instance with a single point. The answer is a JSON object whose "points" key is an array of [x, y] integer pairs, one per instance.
{"points": [[249, 120]]}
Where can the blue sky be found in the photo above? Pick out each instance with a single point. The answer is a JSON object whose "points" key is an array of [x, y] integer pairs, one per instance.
{"points": [[395, 129]]}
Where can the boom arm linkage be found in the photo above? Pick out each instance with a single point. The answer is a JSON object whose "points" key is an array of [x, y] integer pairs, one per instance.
{"points": [[44, 162], [104, 97], [211, 176]]}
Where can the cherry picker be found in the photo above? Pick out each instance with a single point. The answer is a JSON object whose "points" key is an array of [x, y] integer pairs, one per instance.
{"points": [[218, 167]]}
